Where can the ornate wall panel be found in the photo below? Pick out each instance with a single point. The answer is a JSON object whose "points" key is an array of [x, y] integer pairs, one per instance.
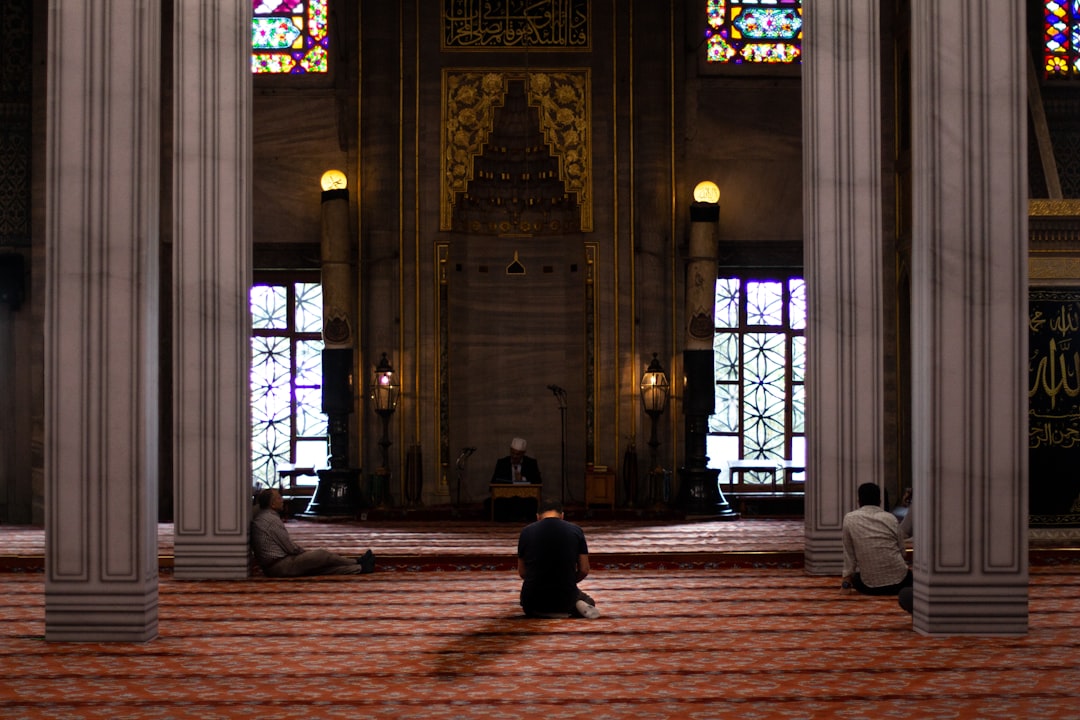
{"points": [[516, 152], [15, 127], [1054, 361]]}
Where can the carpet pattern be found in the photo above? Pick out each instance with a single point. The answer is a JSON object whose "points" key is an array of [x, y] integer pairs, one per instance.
{"points": [[460, 545], [702, 643], [487, 545]]}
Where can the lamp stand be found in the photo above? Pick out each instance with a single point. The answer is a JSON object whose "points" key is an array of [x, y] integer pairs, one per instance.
{"points": [[656, 473]]}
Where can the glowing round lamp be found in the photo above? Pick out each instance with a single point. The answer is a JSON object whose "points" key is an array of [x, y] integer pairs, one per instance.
{"points": [[706, 191], [333, 180]]}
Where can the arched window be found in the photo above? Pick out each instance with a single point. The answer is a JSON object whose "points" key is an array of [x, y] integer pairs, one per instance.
{"points": [[1061, 39], [289, 37], [753, 31]]}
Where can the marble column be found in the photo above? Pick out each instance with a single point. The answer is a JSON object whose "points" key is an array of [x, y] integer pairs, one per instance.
{"points": [[843, 265], [212, 275], [968, 327], [101, 327]]}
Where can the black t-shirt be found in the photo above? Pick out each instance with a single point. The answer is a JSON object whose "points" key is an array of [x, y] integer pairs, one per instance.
{"points": [[550, 550]]}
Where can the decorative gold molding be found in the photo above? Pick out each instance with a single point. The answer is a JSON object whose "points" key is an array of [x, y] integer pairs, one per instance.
{"points": [[441, 338], [1056, 268], [563, 101], [1067, 208], [592, 348]]}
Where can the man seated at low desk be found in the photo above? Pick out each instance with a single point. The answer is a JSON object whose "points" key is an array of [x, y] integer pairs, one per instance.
{"points": [[516, 468]]}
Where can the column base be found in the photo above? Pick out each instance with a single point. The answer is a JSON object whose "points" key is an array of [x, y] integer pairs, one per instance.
{"points": [[700, 496], [338, 493]]}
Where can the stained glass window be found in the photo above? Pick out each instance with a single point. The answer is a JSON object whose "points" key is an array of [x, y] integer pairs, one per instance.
{"points": [[759, 357], [287, 422], [753, 31], [289, 37], [1061, 39]]}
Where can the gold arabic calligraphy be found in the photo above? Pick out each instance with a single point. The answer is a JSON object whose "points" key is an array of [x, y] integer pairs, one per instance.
{"points": [[498, 24], [1052, 374]]}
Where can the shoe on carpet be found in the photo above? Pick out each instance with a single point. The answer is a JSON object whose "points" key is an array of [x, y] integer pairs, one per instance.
{"points": [[586, 610], [366, 562]]}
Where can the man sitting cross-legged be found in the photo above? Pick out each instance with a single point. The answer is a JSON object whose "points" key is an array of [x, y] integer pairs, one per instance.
{"points": [[280, 557], [553, 558], [874, 562]]}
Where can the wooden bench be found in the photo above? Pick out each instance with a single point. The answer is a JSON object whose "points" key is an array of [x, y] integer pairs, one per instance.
{"points": [[781, 495]]}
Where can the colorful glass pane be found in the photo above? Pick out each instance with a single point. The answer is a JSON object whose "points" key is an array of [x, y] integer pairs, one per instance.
{"points": [[735, 30], [768, 23], [267, 7], [275, 33], [289, 37], [1061, 38]]}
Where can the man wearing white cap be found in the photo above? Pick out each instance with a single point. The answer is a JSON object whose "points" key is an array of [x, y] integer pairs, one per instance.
{"points": [[517, 467]]}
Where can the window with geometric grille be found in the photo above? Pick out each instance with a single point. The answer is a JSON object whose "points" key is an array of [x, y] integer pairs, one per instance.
{"points": [[1061, 39], [753, 31], [289, 37], [287, 422], [759, 356]]}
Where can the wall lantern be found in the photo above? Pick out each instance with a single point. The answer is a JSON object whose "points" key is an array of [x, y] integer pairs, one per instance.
{"points": [[333, 180], [706, 191], [384, 395]]}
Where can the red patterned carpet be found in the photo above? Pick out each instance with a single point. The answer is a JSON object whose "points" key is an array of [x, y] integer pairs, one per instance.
{"points": [[705, 643], [464, 545], [699, 620]]}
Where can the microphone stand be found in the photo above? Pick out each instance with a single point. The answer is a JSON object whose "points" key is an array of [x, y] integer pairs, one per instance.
{"points": [[462, 458]]}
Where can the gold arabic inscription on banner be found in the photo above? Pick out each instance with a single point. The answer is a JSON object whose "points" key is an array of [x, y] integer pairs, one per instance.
{"points": [[501, 24]]}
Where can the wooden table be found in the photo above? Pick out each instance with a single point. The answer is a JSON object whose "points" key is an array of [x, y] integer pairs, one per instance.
{"points": [[508, 490], [599, 488], [738, 467]]}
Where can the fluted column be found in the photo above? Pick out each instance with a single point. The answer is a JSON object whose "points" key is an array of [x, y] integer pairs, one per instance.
{"points": [[968, 328], [101, 328], [212, 274], [843, 265]]}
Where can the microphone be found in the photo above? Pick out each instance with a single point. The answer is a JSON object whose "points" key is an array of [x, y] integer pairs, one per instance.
{"points": [[556, 389], [465, 453]]}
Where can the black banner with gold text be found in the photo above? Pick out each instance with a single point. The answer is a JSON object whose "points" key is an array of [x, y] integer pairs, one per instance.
{"points": [[1054, 406]]}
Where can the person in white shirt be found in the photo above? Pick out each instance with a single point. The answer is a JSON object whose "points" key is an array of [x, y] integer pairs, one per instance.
{"points": [[874, 561]]}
